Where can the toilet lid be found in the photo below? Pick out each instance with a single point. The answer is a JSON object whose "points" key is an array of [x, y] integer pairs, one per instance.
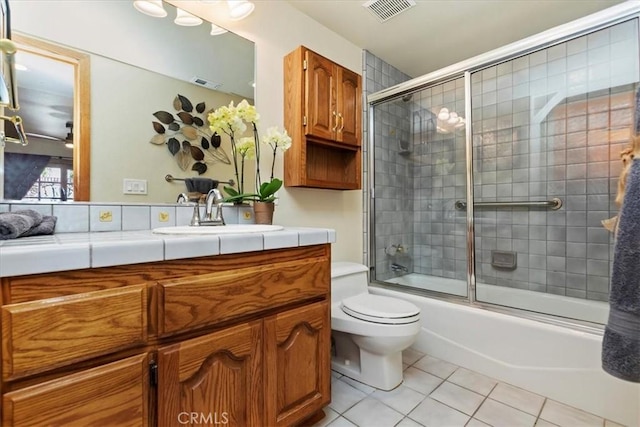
{"points": [[380, 309]]}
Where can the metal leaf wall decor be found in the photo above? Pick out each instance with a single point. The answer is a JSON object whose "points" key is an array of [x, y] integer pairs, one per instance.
{"points": [[187, 136]]}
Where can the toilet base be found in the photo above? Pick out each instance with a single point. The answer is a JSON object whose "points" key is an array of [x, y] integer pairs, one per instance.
{"points": [[383, 372]]}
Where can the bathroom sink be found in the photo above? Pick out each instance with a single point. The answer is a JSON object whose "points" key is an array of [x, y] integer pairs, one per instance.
{"points": [[221, 229]]}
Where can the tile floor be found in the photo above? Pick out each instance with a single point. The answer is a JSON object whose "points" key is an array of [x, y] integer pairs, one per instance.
{"points": [[436, 393]]}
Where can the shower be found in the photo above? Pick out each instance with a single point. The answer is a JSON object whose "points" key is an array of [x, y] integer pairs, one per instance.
{"points": [[497, 177]]}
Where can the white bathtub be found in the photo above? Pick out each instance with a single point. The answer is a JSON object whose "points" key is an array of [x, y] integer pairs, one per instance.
{"points": [[557, 362], [558, 305]]}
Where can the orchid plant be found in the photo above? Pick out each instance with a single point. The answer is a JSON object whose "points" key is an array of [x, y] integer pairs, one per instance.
{"points": [[234, 122]]}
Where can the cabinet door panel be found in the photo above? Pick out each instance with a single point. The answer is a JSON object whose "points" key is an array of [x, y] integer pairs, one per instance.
{"points": [[297, 363], [320, 96], [349, 102], [213, 379], [41, 335], [112, 394]]}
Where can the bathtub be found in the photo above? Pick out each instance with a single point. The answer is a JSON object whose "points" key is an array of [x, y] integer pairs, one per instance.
{"points": [[558, 305], [558, 362]]}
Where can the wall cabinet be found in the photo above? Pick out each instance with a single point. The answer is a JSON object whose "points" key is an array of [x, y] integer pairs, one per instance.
{"points": [[240, 340], [323, 114]]}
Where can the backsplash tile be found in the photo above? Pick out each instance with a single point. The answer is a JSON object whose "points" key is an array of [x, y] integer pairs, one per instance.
{"points": [[71, 218], [163, 216], [105, 218], [135, 218]]}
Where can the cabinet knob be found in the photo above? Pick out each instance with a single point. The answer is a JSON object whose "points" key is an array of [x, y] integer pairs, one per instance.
{"points": [[336, 121]]}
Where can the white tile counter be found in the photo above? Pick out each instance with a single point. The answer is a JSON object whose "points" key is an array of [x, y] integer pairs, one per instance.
{"points": [[73, 251]]}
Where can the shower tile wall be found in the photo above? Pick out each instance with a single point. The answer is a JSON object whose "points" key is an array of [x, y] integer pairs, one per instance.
{"points": [[394, 200], [438, 170], [552, 124]]}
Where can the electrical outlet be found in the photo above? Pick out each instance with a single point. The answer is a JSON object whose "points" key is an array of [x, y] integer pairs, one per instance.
{"points": [[134, 186]]}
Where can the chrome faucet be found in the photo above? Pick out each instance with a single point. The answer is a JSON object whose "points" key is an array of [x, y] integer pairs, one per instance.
{"points": [[396, 268], [214, 198]]}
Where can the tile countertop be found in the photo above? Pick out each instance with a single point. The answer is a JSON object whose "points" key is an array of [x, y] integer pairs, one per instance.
{"points": [[74, 251]]}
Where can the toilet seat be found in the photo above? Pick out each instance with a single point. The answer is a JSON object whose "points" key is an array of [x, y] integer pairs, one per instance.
{"points": [[380, 309]]}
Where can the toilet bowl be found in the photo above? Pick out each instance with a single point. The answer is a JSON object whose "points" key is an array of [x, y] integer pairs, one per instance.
{"points": [[368, 332]]}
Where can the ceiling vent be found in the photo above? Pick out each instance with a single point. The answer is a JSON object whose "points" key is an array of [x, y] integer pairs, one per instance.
{"points": [[206, 83], [387, 9]]}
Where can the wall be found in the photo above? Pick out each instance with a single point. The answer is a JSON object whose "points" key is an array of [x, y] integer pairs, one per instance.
{"points": [[277, 28]]}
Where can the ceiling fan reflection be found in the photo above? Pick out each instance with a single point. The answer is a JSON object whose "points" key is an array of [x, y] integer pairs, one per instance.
{"points": [[68, 140]]}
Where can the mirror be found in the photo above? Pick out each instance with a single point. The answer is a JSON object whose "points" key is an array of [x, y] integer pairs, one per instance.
{"points": [[138, 65]]}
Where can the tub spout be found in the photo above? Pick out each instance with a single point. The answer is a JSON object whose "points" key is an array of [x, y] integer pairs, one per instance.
{"points": [[396, 268]]}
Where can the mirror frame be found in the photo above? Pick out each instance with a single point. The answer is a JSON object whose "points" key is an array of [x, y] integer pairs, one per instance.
{"points": [[81, 106]]}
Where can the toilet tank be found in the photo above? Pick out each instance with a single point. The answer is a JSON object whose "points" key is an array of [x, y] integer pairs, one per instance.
{"points": [[348, 279]]}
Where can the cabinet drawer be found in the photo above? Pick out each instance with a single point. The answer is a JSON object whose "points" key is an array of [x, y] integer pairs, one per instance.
{"points": [[203, 300], [113, 394], [41, 335]]}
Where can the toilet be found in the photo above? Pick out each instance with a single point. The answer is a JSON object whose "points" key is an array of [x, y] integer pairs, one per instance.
{"points": [[368, 332]]}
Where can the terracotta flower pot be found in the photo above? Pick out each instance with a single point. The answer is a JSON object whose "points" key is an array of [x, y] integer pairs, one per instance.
{"points": [[263, 212]]}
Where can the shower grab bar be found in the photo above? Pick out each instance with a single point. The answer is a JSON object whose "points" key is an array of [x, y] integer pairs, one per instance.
{"points": [[555, 204]]}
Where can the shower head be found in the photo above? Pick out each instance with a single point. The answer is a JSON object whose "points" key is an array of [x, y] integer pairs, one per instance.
{"points": [[407, 97]]}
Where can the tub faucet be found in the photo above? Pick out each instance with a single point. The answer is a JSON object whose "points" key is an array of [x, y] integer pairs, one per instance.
{"points": [[396, 268]]}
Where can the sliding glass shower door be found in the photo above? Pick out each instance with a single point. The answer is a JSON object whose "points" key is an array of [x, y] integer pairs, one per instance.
{"points": [[420, 172], [549, 126]]}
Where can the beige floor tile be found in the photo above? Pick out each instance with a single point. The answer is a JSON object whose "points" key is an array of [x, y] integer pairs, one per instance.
{"points": [[518, 398], [420, 381], [566, 416], [609, 423], [343, 396], [411, 356], [543, 423], [473, 381], [342, 422], [476, 423], [403, 399], [433, 413], [498, 414], [370, 412], [457, 397], [408, 422], [329, 416], [436, 367], [367, 389]]}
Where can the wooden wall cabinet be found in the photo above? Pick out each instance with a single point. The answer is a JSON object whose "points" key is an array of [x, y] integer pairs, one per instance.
{"points": [[234, 340], [323, 114]]}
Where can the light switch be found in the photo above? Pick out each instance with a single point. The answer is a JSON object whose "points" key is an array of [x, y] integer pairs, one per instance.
{"points": [[134, 186]]}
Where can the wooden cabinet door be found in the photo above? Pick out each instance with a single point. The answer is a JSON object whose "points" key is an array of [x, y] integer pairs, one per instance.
{"points": [[322, 120], [113, 394], [348, 105], [213, 380], [297, 363]]}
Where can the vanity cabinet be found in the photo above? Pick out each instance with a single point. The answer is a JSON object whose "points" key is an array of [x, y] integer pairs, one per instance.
{"points": [[237, 340], [323, 114]]}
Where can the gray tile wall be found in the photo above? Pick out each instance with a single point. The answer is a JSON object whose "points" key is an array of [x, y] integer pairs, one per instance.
{"points": [[393, 183]]}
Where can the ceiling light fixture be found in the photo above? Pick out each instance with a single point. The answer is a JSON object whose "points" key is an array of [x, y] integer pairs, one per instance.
{"points": [[216, 31], [240, 9], [186, 19], [150, 7]]}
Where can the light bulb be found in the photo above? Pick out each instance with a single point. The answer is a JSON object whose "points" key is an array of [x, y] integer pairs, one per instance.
{"points": [[150, 7], [240, 9], [186, 19], [216, 31], [443, 114]]}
